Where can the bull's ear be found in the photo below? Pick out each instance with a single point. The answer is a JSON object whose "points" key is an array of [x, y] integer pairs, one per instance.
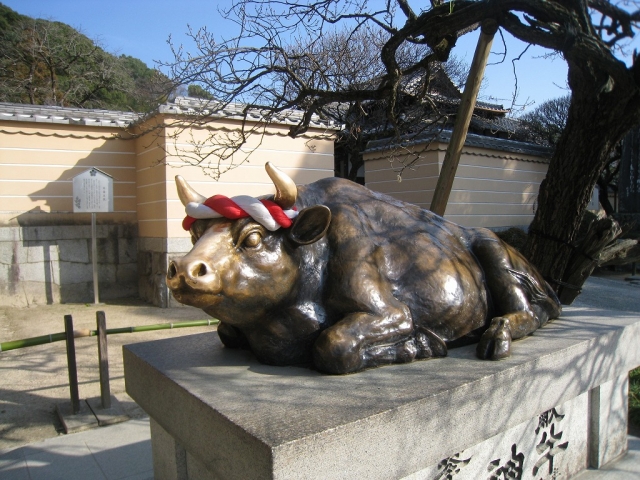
{"points": [[310, 225]]}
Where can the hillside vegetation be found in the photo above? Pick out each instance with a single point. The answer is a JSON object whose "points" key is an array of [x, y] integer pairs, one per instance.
{"points": [[50, 63]]}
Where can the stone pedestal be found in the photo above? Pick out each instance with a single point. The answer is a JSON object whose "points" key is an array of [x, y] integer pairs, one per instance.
{"points": [[557, 406]]}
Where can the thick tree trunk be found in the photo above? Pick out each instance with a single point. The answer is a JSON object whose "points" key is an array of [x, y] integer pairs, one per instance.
{"points": [[602, 110]]}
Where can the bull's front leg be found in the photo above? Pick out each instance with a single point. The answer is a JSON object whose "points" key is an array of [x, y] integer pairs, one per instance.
{"points": [[231, 337]]}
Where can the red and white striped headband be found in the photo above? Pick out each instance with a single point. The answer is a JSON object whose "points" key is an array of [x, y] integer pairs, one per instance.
{"points": [[266, 212]]}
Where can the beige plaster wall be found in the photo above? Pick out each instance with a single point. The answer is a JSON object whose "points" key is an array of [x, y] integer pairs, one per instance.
{"points": [[45, 247], [492, 188], [39, 161], [151, 180], [304, 158]]}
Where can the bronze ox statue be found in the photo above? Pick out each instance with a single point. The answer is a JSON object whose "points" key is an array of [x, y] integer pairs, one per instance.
{"points": [[357, 281]]}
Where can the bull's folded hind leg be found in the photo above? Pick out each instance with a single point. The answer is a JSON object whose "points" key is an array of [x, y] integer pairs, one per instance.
{"points": [[424, 344], [514, 286], [363, 340]]}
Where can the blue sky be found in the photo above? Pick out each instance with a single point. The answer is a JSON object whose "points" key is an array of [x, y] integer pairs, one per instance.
{"points": [[141, 29]]}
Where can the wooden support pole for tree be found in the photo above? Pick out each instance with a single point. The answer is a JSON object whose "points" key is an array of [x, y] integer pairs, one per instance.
{"points": [[103, 355], [461, 125], [588, 252], [71, 365]]}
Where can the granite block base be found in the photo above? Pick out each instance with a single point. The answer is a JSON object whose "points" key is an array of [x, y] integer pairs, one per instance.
{"points": [[555, 407]]}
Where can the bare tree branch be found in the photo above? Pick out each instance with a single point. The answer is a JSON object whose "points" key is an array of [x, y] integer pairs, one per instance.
{"points": [[281, 59]]}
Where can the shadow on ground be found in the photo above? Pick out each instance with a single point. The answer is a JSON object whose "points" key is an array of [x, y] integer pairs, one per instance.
{"points": [[34, 379]]}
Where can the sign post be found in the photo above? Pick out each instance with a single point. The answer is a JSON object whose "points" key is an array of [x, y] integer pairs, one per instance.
{"points": [[94, 257], [93, 193]]}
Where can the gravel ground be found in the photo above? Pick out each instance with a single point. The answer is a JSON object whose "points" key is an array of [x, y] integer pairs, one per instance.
{"points": [[34, 379]]}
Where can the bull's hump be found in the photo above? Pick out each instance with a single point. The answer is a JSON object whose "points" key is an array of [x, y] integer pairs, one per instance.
{"points": [[370, 211]]}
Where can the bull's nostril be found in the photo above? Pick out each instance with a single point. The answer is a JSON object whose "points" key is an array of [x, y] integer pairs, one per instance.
{"points": [[172, 271], [202, 271]]}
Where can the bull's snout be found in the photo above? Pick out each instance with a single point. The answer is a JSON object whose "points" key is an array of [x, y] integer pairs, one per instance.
{"points": [[196, 274]]}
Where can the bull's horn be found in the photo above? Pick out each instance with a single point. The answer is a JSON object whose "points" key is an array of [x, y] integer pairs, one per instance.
{"points": [[286, 190], [186, 193]]}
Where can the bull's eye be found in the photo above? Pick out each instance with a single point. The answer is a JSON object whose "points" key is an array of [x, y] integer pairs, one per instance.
{"points": [[252, 240]]}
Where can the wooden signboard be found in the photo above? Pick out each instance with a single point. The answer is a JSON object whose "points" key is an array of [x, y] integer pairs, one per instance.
{"points": [[93, 193]]}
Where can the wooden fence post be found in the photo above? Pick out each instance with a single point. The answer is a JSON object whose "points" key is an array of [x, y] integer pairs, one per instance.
{"points": [[71, 364], [103, 355]]}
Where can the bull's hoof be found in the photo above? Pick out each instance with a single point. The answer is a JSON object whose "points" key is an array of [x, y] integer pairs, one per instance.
{"points": [[336, 354], [495, 343]]}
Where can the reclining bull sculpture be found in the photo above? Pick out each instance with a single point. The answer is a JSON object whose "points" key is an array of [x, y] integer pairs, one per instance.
{"points": [[353, 279]]}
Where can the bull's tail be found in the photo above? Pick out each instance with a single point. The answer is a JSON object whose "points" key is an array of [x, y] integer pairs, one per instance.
{"points": [[542, 297]]}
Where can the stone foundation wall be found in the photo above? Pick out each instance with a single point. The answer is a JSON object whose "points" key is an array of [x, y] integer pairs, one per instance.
{"points": [[53, 264]]}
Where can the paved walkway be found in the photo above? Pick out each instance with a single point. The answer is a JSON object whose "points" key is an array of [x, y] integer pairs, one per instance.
{"points": [[627, 468], [123, 452], [117, 452]]}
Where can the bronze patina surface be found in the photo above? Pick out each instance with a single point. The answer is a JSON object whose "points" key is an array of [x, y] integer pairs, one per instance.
{"points": [[358, 281]]}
